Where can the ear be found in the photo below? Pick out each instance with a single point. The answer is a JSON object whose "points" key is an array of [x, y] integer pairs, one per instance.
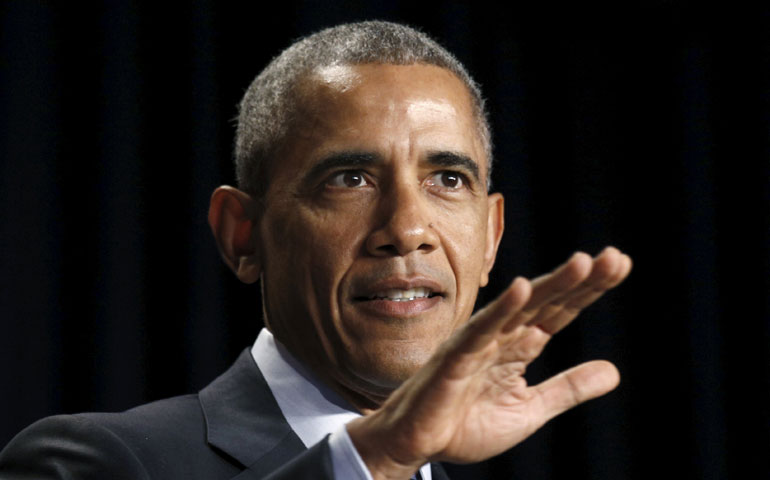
{"points": [[232, 217], [495, 227]]}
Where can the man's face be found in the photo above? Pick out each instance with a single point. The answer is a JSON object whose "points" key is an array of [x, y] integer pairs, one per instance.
{"points": [[377, 229]]}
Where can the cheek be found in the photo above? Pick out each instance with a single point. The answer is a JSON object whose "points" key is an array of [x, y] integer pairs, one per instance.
{"points": [[463, 235], [333, 235], [463, 232], [318, 245]]}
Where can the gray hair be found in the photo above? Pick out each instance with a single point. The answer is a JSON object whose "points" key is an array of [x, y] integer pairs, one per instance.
{"points": [[267, 109]]}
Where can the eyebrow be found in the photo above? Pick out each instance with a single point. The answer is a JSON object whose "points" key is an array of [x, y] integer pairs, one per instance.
{"points": [[454, 159]]}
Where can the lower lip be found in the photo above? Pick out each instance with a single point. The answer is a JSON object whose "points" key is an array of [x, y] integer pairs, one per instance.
{"points": [[390, 308]]}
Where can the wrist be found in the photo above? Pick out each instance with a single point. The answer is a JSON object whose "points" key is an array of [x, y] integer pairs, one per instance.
{"points": [[377, 447]]}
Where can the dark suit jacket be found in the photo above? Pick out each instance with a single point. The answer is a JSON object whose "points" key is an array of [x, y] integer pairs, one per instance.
{"points": [[233, 429]]}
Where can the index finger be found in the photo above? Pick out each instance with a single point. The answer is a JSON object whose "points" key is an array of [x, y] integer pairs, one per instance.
{"points": [[609, 269], [487, 322], [551, 286], [521, 301]]}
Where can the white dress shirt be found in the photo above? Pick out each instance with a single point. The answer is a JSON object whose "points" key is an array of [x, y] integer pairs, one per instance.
{"points": [[312, 409]]}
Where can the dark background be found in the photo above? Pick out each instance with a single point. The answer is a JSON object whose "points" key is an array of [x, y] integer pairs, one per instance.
{"points": [[645, 127]]}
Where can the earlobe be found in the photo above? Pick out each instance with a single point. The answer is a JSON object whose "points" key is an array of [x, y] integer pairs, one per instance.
{"points": [[495, 227], [232, 217]]}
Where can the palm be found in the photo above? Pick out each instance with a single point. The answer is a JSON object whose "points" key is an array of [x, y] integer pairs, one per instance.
{"points": [[504, 410]]}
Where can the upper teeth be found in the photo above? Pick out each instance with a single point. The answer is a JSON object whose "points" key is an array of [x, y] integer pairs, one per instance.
{"points": [[403, 295]]}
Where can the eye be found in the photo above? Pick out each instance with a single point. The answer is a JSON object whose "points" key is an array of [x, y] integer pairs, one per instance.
{"points": [[447, 179], [348, 179]]}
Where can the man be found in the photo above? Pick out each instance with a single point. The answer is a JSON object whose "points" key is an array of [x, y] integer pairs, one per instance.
{"points": [[363, 157]]}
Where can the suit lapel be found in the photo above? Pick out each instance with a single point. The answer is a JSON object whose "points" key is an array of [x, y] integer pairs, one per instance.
{"points": [[243, 419]]}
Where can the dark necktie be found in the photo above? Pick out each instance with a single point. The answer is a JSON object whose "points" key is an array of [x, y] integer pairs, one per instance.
{"points": [[417, 476]]}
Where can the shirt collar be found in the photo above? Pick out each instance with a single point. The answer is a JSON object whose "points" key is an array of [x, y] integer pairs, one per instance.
{"points": [[312, 409]]}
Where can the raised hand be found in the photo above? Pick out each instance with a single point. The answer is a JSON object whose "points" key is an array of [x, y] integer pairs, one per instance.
{"points": [[471, 401]]}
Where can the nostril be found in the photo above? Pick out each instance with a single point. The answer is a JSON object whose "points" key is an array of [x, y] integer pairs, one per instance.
{"points": [[389, 249]]}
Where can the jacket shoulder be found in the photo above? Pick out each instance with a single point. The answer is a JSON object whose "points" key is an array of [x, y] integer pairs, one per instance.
{"points": [[172, 422], [69, 446], [163, 439]]}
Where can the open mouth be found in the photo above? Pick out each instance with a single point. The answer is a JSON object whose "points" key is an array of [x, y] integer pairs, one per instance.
{"points": [[400, 295]]}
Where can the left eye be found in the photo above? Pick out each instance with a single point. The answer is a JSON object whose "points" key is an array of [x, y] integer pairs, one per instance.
{"points": [[348, 179], [451, 180]]}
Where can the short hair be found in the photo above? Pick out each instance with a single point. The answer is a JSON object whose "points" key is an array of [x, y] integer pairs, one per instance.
{"points": [[266, 112]]}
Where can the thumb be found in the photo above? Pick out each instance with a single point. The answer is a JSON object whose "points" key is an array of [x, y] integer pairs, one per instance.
{"points": [[575, 386]]}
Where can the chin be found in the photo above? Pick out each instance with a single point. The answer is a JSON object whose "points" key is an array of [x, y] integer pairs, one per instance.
{"points": [[386, 372]]}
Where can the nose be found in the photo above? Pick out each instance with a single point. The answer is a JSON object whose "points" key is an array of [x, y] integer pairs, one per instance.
{"points": [[405, 224]]}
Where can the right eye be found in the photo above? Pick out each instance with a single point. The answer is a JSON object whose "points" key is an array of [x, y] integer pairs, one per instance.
{"points": [[348, 179]]}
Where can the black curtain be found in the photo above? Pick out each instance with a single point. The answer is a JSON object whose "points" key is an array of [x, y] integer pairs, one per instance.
{"points": [[645, 127]]}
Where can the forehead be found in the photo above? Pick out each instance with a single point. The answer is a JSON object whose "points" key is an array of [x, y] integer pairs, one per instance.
{"points": [[383, 103], [374, 87], [394, 80]]}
